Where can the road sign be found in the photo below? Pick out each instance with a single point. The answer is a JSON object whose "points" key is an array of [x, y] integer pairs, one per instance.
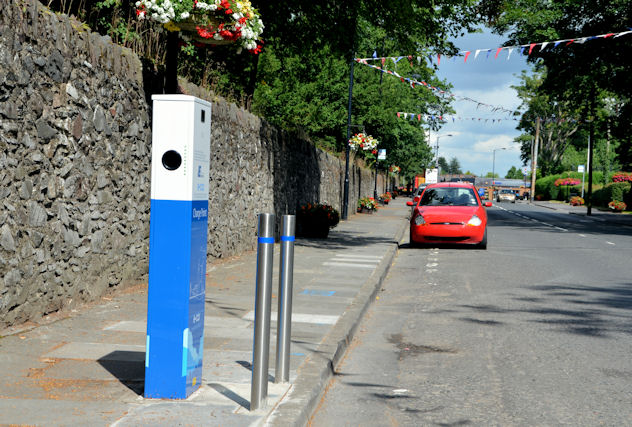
{"points": [[381, 154], [581, 169], [525, 171]]}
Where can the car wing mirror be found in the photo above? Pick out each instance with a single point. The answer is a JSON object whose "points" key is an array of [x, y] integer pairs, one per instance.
{"points": [[488, 204], [409, 203]]}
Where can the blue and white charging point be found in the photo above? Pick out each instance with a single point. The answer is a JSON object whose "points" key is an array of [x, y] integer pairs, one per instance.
{"points": [[180, 162]]}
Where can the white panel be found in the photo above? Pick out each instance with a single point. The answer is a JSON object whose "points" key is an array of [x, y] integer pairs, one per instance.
{"points": [[178, 127]]}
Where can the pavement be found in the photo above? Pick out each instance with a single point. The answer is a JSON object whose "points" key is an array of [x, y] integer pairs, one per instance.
{"points": [[86, 366], [597, 214]]}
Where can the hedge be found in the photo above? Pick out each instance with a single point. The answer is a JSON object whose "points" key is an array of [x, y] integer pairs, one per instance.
{"points": [[621, 191]]}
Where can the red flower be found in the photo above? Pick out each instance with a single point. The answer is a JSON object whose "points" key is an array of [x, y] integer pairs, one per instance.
{"points": [[205, 32]]}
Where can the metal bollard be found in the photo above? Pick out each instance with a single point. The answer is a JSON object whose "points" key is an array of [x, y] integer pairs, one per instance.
{"points": [[284, 321], [261, 348]]}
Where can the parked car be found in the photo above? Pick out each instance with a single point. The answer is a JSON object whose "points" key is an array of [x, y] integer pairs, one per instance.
{"points": [[506, 195], [449, 212]]}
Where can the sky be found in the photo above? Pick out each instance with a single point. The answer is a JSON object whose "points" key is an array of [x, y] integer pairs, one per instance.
{"points": [[486, 80]]}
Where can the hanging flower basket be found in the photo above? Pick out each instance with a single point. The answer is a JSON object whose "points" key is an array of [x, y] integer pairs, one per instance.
{"points": [[363, 142], [211, 22]]}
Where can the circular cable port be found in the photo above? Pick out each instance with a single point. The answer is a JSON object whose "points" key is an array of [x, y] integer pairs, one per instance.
{"points": [[171, 160]]}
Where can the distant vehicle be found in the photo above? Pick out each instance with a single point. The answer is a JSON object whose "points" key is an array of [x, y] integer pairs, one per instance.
{"points": [[506, 195], [417, 193], [449, 212]]}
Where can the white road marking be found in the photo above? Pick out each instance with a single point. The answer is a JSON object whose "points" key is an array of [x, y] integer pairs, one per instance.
{"points": [[582, 235], [346, 264], [359, 256], [610, 243], [532, 219], [320, 319]]}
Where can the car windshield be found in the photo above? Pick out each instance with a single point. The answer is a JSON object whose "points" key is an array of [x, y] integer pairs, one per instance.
{"points": [[507, 191], [448, 196]]}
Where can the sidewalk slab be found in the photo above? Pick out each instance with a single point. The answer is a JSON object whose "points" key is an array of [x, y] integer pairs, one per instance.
{"points": [[86, 367]]}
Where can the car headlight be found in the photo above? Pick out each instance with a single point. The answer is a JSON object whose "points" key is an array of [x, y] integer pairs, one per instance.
{"points": [[419, 220], [475, 221]]}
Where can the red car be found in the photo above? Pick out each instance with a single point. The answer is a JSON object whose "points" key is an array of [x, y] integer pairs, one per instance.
{"points": [[449, 212]]}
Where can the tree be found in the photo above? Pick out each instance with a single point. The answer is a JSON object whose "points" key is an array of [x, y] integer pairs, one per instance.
{"points": [[558, 121], [514, 173], [443, 165], [585, 74], [455, 166], [491, 175]]}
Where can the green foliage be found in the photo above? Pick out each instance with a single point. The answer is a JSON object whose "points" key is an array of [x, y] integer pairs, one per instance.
{"points": [[615, 191], [589, 82], [549, 191], [301, 79], [514, 173], [444, 167], [455, 166]]}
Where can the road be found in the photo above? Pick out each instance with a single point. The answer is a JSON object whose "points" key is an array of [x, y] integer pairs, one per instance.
{"points": [[536, 330]]}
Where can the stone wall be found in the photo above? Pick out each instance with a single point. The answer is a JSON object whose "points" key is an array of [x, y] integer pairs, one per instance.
{"points": [[75, 143]]}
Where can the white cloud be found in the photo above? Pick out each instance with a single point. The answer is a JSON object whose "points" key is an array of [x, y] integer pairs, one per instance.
{"points": [[496, 142]]}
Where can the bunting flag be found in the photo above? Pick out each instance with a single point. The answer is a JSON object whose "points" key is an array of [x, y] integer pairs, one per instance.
{"points": [[446, 118], [449, 117], [438, 91], [530, 47]]}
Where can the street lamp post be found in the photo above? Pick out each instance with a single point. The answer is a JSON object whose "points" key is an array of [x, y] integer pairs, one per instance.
{"points": [[437, 152], [494, 168]]}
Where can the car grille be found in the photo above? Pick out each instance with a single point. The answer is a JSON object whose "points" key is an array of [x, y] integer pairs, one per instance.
{"points": [[446, 239], [447, 223]]}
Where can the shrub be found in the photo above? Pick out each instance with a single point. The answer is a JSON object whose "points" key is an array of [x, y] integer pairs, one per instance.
{"points": [[614, 191], [576, 201], [314, 214]]}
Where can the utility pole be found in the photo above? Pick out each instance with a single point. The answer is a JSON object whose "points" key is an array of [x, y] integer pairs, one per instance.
{"points": [[345, 197], [591, 138], [534, 159]]}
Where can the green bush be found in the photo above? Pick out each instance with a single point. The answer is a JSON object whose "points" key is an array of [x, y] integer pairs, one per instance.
{"points": [[546, 186], [621, 191]]}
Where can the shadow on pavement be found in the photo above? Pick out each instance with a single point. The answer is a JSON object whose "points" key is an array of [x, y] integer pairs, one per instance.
{"points": [[128, 367], [342, 240], [590, 313], [230, 395]]}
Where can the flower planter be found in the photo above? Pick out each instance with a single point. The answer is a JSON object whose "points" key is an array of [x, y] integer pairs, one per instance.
{"points": [[367, 210], [190, 26]]}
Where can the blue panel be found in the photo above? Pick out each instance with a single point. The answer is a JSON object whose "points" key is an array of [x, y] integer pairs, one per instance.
{"points": [[175, 305], [197, 287]]}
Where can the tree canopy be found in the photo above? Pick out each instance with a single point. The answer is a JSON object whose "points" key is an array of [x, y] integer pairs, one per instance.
{"points": [[586, 82]]}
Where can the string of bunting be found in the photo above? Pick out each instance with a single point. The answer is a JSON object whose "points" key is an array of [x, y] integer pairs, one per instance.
{"points": [[530, 48], [437, 90], [446, 118]]}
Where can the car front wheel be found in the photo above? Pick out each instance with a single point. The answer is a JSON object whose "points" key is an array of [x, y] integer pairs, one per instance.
{"points": [[483, 243]]}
